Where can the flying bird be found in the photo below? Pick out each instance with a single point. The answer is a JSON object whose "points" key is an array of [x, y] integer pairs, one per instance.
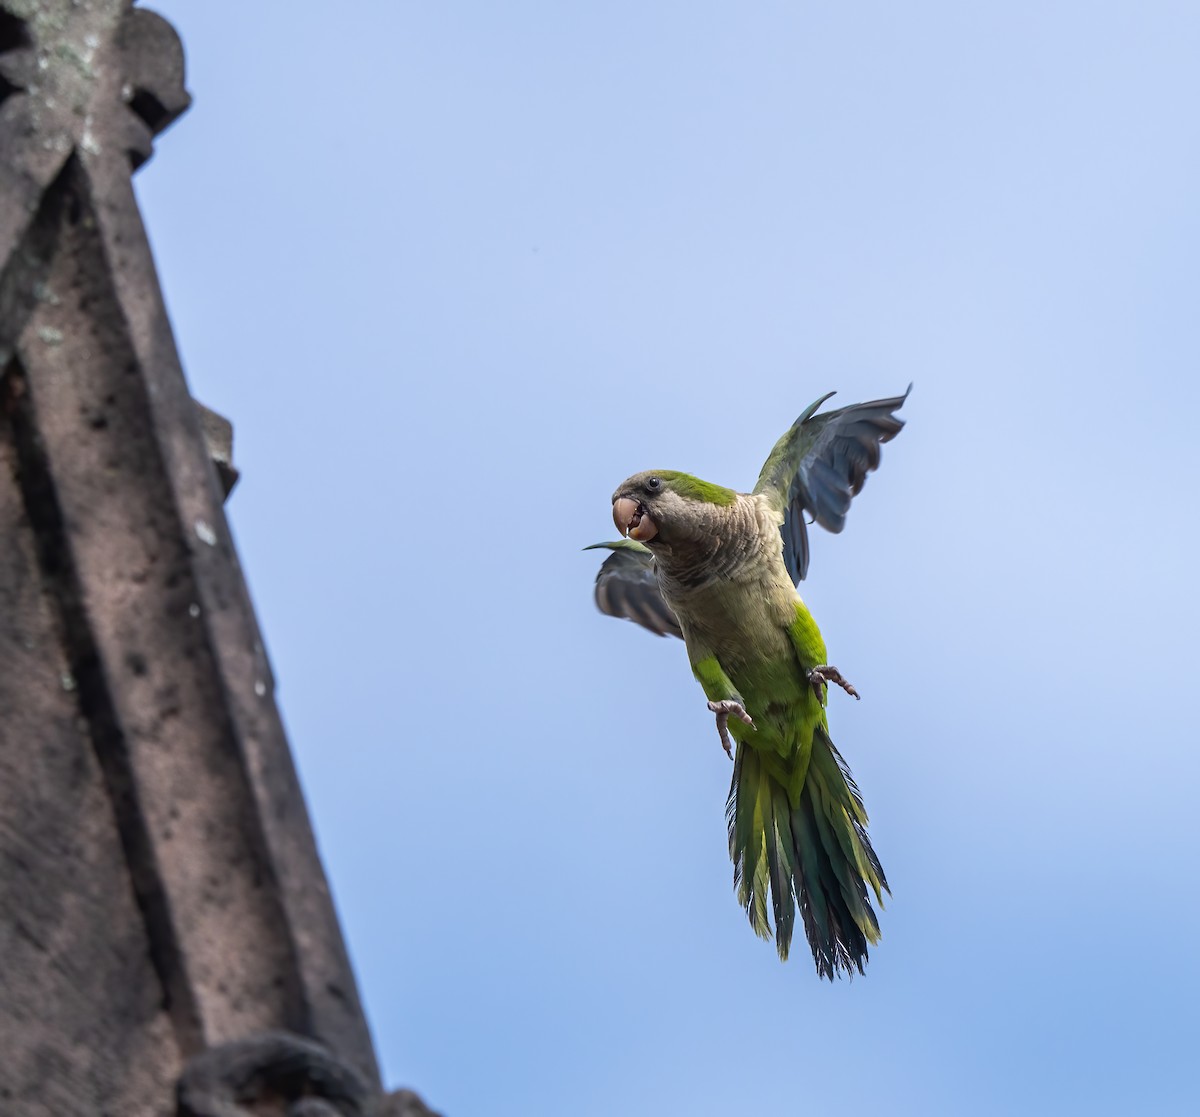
{"points": [[719, 568]]}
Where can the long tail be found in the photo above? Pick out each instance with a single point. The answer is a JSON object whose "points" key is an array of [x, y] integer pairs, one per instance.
{"points": [[813, 852]]}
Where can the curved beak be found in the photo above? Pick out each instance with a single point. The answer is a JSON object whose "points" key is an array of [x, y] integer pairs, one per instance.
{"points": [[633, 520]]}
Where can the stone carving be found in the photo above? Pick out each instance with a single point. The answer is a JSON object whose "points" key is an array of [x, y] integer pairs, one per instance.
{"points": [[160, 889], [280, 1073]]}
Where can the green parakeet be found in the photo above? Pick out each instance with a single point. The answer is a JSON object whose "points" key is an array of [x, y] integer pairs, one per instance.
{"points": [[719, 569]]}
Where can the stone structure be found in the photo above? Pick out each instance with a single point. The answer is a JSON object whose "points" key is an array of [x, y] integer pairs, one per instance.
{"points": [[167, 940]]}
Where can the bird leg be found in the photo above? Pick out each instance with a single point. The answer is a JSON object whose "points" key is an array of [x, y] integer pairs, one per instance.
{"points": [[723, 709], [826, 674]]}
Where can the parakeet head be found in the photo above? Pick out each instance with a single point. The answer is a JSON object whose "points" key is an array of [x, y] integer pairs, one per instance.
{"points": [[663, 506]]}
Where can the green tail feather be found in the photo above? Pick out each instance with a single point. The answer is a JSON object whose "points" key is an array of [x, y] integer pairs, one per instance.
{"points": [[814, 854]]}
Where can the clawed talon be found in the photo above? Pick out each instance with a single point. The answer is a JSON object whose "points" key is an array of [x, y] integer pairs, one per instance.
{"points": [[723, 709], [827, 674]]}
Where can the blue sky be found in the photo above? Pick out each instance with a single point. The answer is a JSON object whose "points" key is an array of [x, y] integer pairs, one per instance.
{"points": [[454, 270]]}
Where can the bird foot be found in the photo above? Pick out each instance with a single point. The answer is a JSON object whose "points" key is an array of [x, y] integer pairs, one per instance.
{"points": [[723, 709], [827, 674]]}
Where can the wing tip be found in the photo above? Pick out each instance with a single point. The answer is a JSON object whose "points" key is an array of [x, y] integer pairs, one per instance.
{"points": [[811, 409]]}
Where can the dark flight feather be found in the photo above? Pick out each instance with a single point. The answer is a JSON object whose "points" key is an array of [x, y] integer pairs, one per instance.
{"points": [[627, 587], [821, 464]]}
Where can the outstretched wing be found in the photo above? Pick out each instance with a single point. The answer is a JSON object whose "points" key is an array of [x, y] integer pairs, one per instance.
{"points": [[821, 464], [628, 587]]}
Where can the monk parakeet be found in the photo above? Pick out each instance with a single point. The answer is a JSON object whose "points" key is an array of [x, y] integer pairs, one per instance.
{"points": [[719, 569]]}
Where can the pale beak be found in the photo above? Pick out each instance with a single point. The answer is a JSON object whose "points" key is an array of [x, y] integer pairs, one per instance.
{"points": [[633, 520]]}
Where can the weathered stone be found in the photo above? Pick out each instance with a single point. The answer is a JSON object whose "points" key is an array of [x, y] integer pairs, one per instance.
{"points": [[218, 437], [276, 1072], [160, 889]]}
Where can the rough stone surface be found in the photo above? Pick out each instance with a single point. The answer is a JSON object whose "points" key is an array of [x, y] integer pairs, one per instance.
{"points": [[280, 1073], [81, 1007], [218, 437], [161, 895]]}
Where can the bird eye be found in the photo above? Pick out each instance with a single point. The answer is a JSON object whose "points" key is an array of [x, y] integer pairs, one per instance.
{"points": [[654, 484]]}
